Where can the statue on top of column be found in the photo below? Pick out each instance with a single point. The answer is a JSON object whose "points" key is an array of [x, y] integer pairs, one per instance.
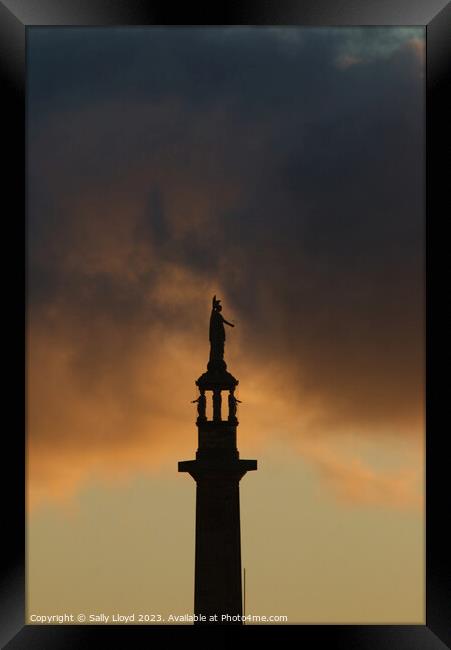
{"points": [[217, 331]]}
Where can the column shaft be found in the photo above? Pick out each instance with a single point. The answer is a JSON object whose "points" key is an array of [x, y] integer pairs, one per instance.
{"points": [[218, 547]]}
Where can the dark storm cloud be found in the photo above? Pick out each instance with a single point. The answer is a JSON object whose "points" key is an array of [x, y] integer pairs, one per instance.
{"points": [[286, 166], [258, 69]]}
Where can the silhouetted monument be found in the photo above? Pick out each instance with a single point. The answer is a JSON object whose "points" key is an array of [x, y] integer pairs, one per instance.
{"points": [[217, 471]]}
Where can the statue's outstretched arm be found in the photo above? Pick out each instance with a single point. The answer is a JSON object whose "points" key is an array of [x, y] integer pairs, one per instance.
{"points": [[227, 322]]}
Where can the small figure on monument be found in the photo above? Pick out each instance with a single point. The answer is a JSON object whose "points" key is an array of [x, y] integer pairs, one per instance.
{"points": [[217, 331], [201, 406], [233, 401]]}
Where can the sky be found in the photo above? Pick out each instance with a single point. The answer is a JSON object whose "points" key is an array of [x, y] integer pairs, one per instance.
{"points": [[283, 170]]}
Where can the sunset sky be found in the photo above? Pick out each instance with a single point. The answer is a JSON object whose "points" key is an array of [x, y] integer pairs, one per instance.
{"points": [[283, 170]]}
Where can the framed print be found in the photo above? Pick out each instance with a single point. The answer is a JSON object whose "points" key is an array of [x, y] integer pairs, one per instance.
{"points": [[227, 220]]}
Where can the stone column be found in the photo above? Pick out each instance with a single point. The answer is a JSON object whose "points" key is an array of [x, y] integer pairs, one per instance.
{"points": [[217, 588], [217, 405]]}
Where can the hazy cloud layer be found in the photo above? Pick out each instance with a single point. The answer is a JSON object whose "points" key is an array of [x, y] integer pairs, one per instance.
{"points": [[281, 169]]}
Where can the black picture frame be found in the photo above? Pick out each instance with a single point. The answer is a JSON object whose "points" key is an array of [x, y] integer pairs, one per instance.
{"points": [[15, 17]]}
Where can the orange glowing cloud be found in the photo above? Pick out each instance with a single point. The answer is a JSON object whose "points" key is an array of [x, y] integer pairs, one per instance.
{"points": [[139, 240], [355, 481]]}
